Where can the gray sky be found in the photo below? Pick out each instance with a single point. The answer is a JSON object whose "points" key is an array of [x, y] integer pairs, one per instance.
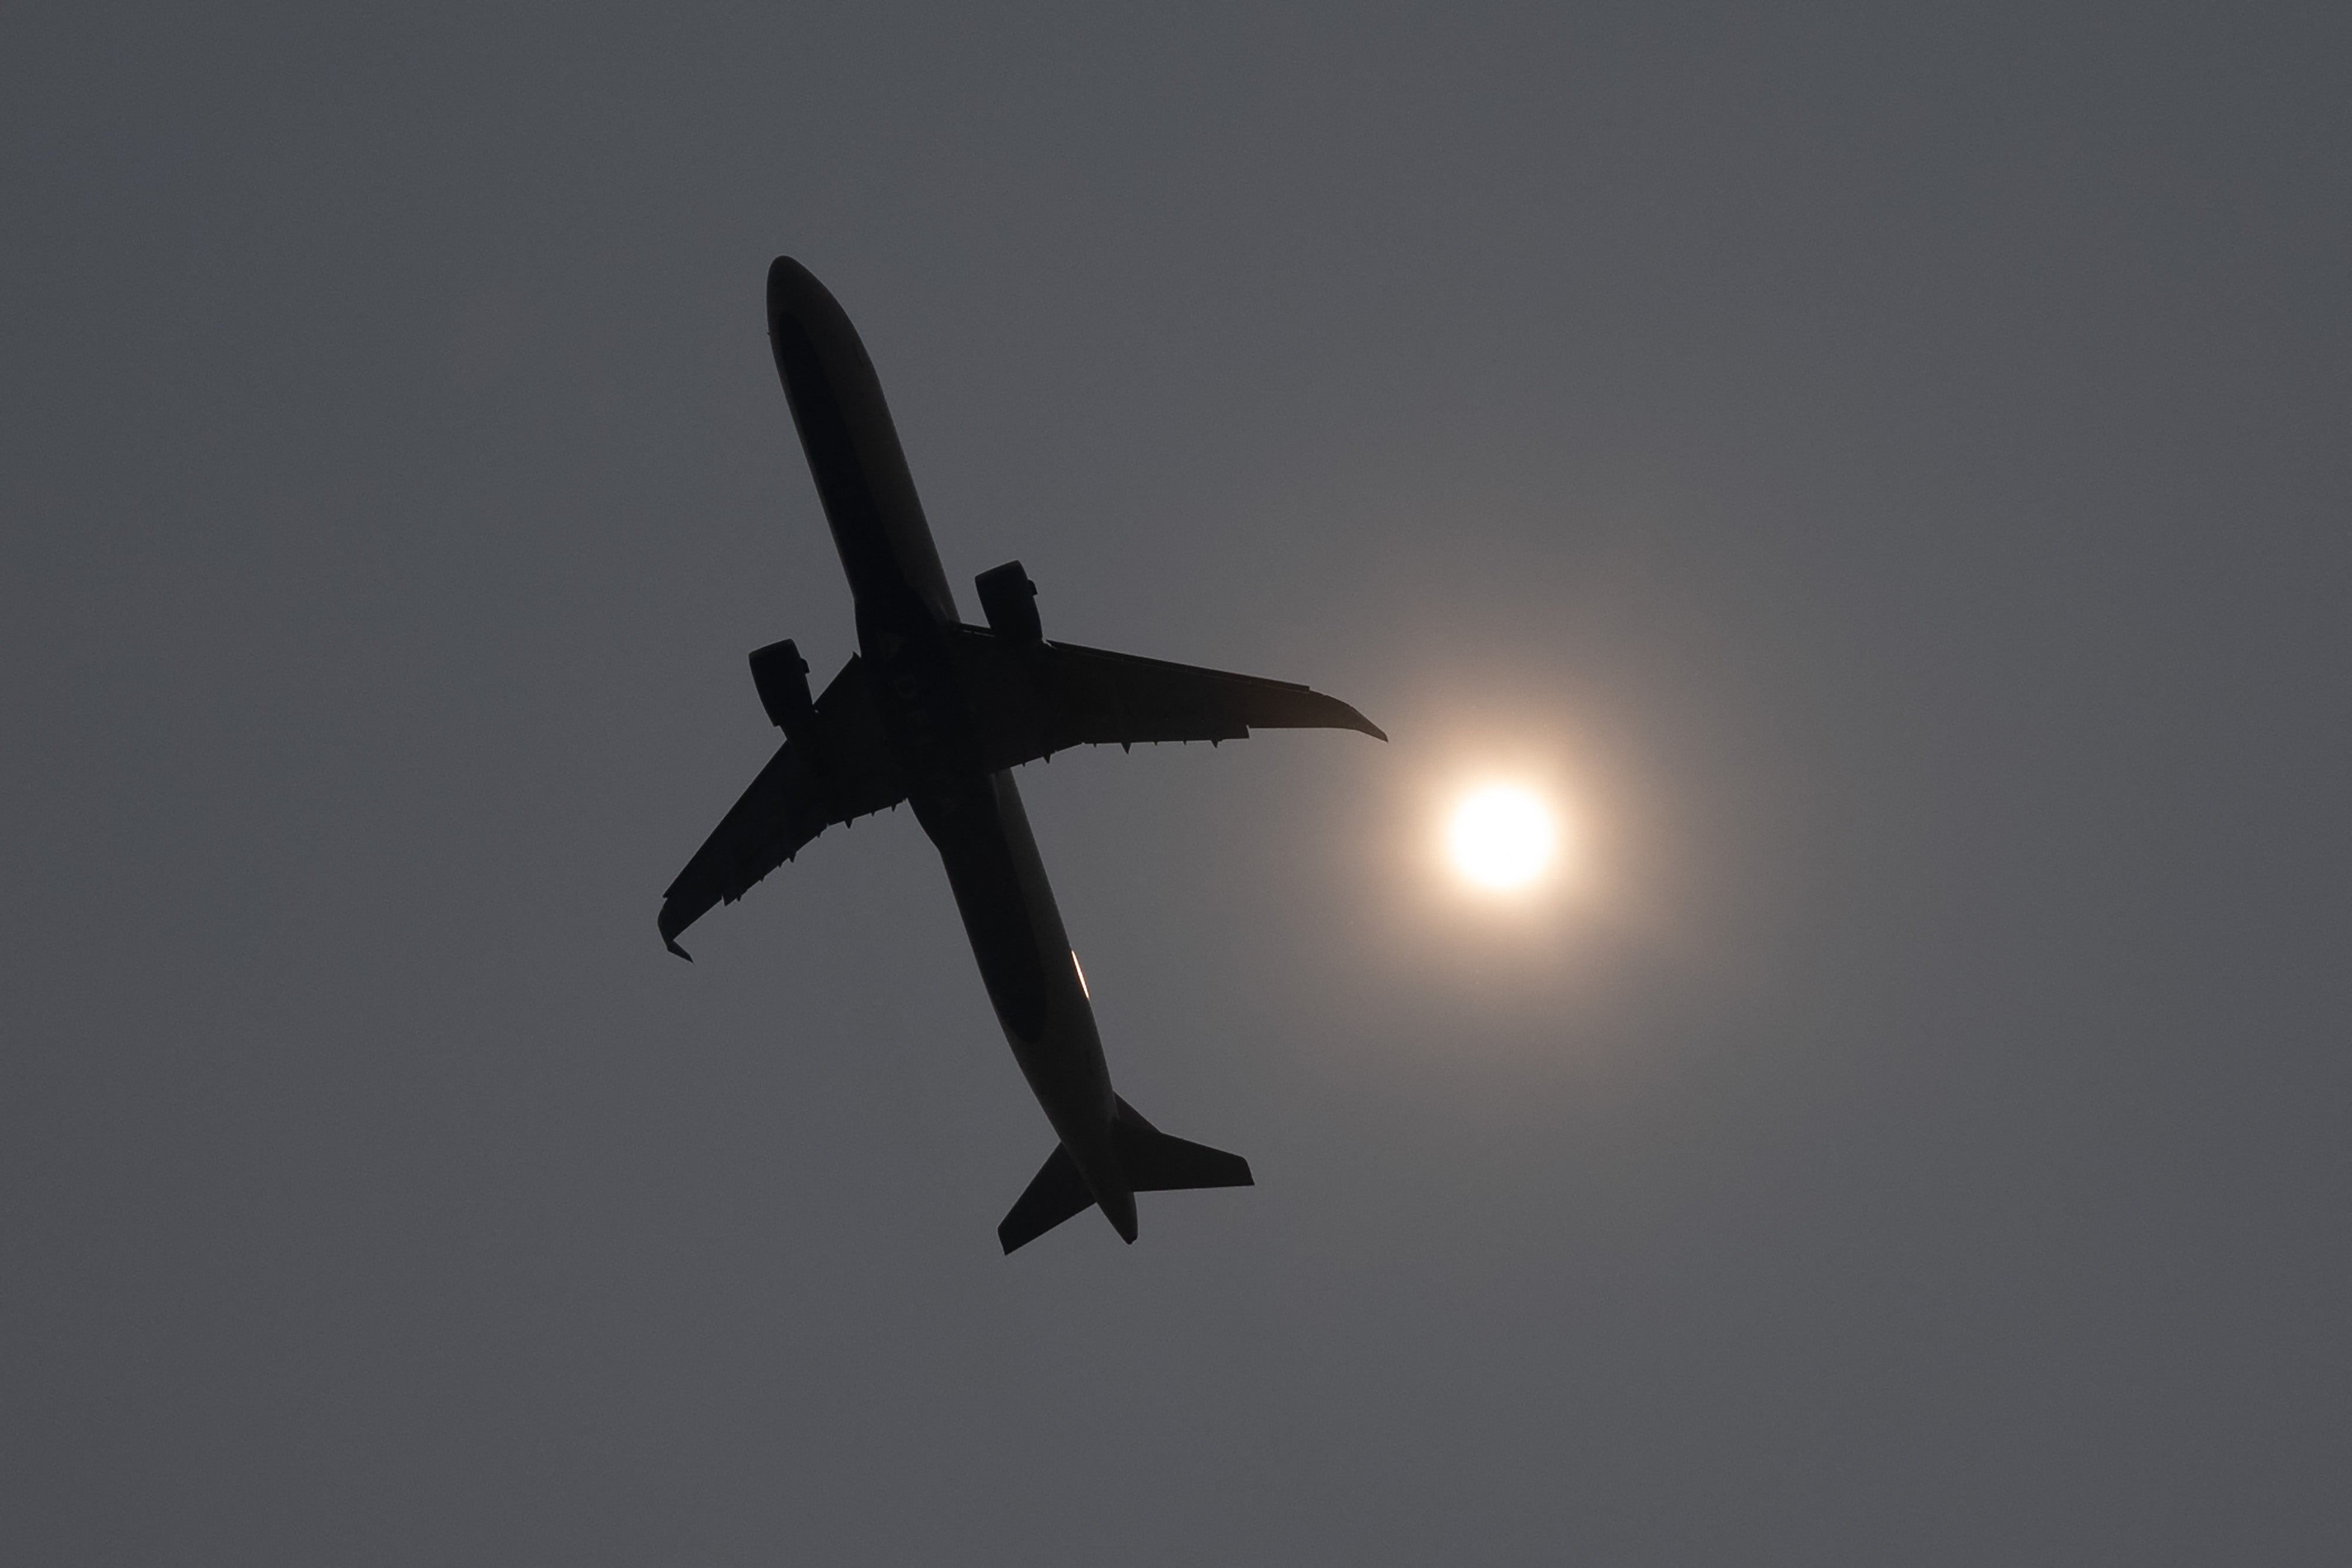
{"points": [[1889, 467]]}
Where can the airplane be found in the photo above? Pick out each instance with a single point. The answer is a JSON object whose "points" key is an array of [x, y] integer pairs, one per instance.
{"points": [[936, 713]]}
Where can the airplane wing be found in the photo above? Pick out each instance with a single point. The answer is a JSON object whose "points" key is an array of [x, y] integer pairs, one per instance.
{"points": [[846, 772], [1033, 699]]}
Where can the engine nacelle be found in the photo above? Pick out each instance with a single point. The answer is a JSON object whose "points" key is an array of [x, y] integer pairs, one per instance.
{"points": [[1008, 600], [782, 676]]}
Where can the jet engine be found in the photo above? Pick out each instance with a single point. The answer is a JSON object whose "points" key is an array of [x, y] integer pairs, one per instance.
{"points": [[782, 676], [1008, 600]]}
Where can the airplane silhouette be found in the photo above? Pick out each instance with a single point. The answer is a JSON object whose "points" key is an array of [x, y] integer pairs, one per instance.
{"points": [[936, 713]]}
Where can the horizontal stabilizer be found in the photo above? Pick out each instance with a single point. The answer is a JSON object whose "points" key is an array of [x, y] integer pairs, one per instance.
{"points": [[1151, 1160], [1056, 1193], [1154, 1162]]}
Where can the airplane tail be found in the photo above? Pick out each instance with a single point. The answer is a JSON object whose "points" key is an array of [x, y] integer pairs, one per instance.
{"points": [[1152, 1160]]}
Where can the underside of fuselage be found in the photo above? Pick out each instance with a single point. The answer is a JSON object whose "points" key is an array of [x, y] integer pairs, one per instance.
{"points": [[973, 815]]}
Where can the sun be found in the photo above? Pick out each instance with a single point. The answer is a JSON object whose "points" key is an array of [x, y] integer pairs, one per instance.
{"points": [[1500, 837]]}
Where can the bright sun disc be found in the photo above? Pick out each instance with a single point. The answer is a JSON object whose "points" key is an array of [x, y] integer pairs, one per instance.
{"points": [[1500, 837]]}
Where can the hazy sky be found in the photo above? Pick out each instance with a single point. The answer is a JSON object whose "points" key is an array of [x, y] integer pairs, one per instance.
{"points": [[1889, 467]]}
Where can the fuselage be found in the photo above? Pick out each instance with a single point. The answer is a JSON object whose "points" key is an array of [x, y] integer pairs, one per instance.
{"points": [[973, 816]]}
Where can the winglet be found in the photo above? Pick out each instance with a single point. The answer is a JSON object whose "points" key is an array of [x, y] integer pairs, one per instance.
{"points": [[671, 943]]}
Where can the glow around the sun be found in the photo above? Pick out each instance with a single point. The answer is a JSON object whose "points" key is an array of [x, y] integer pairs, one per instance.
{"points": [[1501, 837]]}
